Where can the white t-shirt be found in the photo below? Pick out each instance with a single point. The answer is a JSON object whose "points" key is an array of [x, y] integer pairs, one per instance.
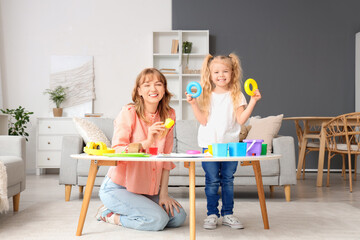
{"points": [[221, 126]]}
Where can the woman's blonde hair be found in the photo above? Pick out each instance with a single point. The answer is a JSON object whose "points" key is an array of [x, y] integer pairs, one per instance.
{"points": [[163, 107], [233, 62]]}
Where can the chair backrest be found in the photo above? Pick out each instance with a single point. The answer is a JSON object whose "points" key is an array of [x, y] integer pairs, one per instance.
{"points": [[343, 132]]}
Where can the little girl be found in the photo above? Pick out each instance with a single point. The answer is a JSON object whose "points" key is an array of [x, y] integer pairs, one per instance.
{"points": [[221, 110], [135, 194]]}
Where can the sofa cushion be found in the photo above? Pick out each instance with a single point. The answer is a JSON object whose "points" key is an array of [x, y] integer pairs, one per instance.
{"points": [[90, 132], [186, 135], [265, 128]]}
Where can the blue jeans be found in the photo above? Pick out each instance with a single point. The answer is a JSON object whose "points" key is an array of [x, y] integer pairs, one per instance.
{"points": [[141, 212], [219, 174]]}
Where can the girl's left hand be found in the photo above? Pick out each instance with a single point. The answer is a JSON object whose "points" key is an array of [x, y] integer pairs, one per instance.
{"points": [[169, 203], [257, 95]]}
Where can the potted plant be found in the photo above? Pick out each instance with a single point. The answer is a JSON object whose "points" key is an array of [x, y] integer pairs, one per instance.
{"points": [[186, 48], [21, 117], [57, 95]]}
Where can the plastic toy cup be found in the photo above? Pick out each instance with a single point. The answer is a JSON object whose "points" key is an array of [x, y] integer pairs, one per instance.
{"points": [[153, 150], [263, 149], [253, 147], [210, 149], [237, 149], [220, 149]]}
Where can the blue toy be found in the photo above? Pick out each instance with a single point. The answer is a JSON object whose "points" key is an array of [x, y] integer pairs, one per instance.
{"points": [[198, 89]]}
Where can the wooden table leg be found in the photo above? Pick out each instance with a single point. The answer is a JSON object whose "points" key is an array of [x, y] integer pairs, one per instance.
{"points": [[321, 156], [192, 200], [88, 190], [260, 189], [302, 152]]}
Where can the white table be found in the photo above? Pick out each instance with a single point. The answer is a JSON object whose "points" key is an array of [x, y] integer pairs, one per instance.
{"points": [[97, 161]]}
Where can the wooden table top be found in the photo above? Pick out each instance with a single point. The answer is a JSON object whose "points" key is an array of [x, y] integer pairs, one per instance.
{"points": [[308, 118]]}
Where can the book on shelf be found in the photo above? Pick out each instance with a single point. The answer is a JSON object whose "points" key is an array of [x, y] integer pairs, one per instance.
{"points": [[175, 46], [168, 71], [93, 114]]}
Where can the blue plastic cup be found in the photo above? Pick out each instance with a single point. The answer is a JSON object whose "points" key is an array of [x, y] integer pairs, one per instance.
{"points": [[220, 149], [237, 149]]}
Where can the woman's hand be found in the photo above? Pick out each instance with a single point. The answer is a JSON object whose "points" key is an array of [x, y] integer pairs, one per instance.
{"points": [[257, 96], [169, 203], [190, 99], [153, 132]]}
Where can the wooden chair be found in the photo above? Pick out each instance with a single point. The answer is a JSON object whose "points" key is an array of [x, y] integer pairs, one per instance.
{"points": [[311, 146], [343, 137]]}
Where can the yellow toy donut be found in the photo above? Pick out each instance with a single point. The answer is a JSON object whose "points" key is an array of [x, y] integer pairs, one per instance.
{"points": [[247, 84]]}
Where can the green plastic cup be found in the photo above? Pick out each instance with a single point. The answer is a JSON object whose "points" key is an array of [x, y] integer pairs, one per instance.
{"points": [[263, 149]]}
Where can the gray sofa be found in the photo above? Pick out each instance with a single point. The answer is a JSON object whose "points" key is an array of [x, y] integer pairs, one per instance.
{"points": [[12, 154], [279, 172]]}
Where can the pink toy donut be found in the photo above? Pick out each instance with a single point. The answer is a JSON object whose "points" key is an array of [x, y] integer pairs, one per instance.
{"points": [[193, 152]]}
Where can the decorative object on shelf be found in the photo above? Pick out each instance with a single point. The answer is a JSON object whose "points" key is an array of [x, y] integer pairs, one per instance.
{"points": [[76, 73], [186, 47], [19, 118], [191, 71], [57, 95]]}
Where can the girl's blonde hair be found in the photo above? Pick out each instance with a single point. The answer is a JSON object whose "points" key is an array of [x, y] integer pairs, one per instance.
{"points": [[233, 62], [163, 107]]}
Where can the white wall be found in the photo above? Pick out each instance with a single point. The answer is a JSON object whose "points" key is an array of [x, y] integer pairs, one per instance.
{"points": [[117, 33]]}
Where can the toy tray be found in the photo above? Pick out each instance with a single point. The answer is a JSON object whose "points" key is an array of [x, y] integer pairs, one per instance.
{"points": [[126, 155]]}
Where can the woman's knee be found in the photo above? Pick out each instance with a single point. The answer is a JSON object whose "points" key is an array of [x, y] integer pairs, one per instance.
{"points": [[178, 219], [159, 220]]}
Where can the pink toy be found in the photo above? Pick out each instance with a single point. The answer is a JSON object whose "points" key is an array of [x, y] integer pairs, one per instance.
{"points": [[193, 152]]}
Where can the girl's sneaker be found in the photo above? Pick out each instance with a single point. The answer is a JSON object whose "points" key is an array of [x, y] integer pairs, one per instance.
{"points": [[232, 221], [104, 214], [211, 221]]}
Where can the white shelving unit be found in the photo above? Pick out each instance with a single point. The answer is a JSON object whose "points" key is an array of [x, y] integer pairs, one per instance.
{"points": [[164, 59]]}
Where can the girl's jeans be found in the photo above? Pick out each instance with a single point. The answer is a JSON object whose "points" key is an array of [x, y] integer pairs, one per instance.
{"points": [[219, 174], [141, 212]]}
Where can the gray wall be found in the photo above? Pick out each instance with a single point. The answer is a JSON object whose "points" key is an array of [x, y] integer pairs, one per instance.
{"points": [[301, 52]]}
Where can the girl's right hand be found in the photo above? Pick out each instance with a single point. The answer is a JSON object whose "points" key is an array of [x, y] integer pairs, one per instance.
{"points": [[190, 99]]}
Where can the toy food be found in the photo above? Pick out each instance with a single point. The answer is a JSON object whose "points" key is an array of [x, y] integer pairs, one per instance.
{"points": [[134, 148], [169, 123], [247, 84], [98, 148], [195, 85]]}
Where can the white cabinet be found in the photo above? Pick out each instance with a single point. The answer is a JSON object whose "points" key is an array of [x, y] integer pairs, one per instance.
{"points": [[186, 66], [49, 141]]}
